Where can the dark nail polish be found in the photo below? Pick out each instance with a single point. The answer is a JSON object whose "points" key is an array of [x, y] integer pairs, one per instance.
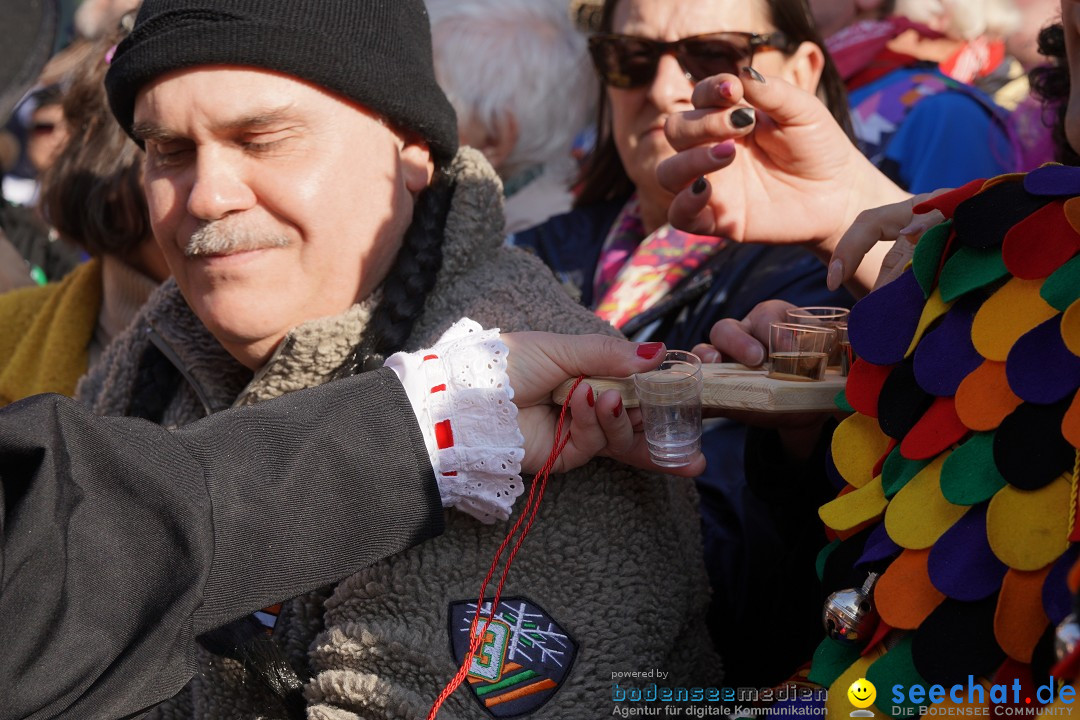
{"points": [[753, 74], [589, 398], [699, 186], [649, 350], [743, 117], [617, 412]]}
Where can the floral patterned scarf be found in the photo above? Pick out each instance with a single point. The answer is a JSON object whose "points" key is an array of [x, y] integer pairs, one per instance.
{"points": [[635, 272]]}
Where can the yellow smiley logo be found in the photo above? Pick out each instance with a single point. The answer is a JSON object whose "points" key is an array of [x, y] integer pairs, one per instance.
{"points": [[862, 693]]}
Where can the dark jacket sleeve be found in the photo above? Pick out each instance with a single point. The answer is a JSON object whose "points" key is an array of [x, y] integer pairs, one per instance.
{"points": [[122, 541]]}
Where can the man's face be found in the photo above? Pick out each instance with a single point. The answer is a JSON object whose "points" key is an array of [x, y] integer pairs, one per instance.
{"points": [[273, 201]]}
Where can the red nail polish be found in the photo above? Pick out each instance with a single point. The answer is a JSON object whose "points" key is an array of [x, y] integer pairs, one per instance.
{"points": [[726, 88], [649, 350], [589, 398], [618, 409]]}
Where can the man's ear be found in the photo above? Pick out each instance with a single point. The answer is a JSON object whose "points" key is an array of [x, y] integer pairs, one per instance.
{"points": [[417, 167], [804, 67]]}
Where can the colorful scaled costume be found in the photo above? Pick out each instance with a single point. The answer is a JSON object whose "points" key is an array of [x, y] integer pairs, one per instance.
{"points": [[958, 467]]}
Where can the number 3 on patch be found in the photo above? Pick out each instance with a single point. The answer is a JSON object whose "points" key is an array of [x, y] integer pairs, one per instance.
{"points": [[487, 664]]}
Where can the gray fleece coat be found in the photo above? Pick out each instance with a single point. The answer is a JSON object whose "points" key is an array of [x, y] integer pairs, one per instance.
{"points": [[614, 557]]}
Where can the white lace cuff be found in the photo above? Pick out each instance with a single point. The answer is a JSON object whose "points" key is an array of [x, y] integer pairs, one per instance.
{"points": [[462, 397]]}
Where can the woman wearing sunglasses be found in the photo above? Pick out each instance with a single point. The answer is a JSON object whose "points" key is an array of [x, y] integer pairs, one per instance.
{"points": [[1026, 234], [650, 280]]}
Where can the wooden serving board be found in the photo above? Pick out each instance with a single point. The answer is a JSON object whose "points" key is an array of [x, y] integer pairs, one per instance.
{"points": [[730, 386]]}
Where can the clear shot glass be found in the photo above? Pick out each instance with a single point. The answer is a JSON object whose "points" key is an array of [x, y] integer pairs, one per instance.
{"points": [[670, 401], [799, 352], [822, 316], [847, 355]]}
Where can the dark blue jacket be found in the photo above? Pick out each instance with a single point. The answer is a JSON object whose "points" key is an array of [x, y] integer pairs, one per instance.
{"points": [[745, 545], [740, 276]]}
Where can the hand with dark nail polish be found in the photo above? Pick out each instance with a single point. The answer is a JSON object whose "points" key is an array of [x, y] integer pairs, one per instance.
{"points": [[743, 117], [699, 186], [753, 74]]}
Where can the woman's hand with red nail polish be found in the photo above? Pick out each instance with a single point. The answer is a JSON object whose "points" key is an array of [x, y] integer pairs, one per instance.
{"points": [[538, 363], [650, 350]]}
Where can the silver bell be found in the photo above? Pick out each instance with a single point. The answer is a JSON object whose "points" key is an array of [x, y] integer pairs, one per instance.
{"points": [[849, 616], [1066, 636]]}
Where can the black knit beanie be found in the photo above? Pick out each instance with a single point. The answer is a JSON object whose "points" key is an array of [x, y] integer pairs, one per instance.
{"points": [[376, 53]]}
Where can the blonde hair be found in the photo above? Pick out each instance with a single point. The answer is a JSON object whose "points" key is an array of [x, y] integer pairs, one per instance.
{"points": [[964, 19]]}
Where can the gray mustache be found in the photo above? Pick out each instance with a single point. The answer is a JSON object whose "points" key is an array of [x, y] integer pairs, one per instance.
{"points": [[218, 238]]}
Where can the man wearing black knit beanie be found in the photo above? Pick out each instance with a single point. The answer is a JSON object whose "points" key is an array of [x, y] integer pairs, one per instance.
{"points": [[304, 182]]}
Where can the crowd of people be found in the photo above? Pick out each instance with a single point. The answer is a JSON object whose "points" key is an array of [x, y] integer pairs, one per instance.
{"points": [[286, 292]]}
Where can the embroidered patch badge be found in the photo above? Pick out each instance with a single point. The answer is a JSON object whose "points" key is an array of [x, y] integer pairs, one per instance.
{"points": [[524, 658]]}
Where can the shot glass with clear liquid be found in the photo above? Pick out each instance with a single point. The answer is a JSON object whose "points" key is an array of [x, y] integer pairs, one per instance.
{"points": [[798, 352], [670, 401]]}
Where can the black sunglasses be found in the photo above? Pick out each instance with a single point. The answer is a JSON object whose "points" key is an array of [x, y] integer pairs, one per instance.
{"points": [[627, 61]]}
